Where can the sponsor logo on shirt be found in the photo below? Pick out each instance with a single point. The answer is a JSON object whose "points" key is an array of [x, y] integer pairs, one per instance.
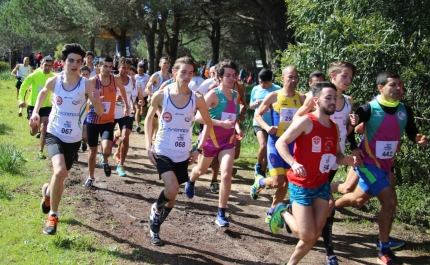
{"points": [[316, 144], [401, 115], [177, 130], [377, 113], [77, 102], [187, 119], [328, 145], [59, 100], [68, 124], [167, 117]]}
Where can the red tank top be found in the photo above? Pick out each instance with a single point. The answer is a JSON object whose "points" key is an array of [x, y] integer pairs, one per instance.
{"points": [[316, 151]]}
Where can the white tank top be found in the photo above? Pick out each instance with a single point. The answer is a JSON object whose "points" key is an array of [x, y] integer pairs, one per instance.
{"points": [[142, 81], [341, 118], [93, 72], [174, 132], [134, 95], [120, 106], [68, 111], [23, 71]]}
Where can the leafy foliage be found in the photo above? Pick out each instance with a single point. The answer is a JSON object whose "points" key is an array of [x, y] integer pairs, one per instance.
{"points": [[11, 159]]}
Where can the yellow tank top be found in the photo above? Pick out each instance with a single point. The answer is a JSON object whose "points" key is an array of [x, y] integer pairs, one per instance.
{"points": [[284, 110]]}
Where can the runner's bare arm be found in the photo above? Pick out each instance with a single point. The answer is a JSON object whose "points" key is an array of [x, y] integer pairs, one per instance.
{"points": [[302, 98], [263, 108], [119, 84], [243, 108], [49, 86], [152, 81], [351, 103], [163, 85], [156, 102], [307, 106], [93, 95], [14, 71]]}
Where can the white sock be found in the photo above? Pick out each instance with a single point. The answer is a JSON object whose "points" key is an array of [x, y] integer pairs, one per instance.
{"points": [[47, 191], [53, 213]]}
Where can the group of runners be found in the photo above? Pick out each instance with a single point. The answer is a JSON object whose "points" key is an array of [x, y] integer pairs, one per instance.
{"points": [[302, 137]]}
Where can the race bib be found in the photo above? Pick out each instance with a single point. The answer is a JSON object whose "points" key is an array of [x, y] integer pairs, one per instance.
{"points": [[106, 107], [180, 141], [226, 116], [285, 119], [386, 149], [326, 163], [67, 129]]}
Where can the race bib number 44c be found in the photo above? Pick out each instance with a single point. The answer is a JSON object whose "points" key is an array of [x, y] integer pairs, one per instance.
{"points": [[386, 149]]}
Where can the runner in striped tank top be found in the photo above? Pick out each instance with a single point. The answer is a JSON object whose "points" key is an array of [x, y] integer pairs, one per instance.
{"points": [[224, 110], [171, 150], [64, 134]]}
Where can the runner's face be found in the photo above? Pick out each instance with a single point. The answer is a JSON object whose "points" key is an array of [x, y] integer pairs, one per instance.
{"points": [[164, 64], [327, 100], [343, 79], [26, 61], [132, 74], [140, 70], [184, 74], [47, 67], [316, 79], [73, 63], [229, 77], [85, 74], [124, 69], [89, 60], [392, 90], [212, 72], [106, 68], [265, 84], [291, 78]]}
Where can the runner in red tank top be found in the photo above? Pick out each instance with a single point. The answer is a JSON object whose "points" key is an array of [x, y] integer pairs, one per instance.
{"points": [[315, 152]]}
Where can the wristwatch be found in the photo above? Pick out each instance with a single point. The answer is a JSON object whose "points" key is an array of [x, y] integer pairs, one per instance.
{"points": [[199, 150]]}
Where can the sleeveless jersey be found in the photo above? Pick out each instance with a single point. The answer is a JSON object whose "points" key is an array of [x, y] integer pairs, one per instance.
{"points": [[174, 134], [109, 97], [316, 151], [340, 117], [68, 109], [382, 135], [161, 81], [226, 109], [142, 81], [23, 71], [284, 110], [120, 106], [93, 72]]}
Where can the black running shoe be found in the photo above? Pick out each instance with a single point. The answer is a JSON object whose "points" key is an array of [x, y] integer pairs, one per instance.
{"points": [[84, 146], [107, 169], [155, 239], [154, 220]]}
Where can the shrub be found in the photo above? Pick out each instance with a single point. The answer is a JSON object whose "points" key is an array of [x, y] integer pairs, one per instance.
{"points": [[4, 66], [11, 159]]}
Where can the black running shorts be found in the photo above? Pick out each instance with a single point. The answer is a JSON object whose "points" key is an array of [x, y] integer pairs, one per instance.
{"points": [[43, 112], [55, 146], [124, 123], [104, 130], [164, 164]]}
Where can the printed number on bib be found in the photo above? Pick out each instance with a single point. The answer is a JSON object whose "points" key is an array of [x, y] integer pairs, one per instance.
{"points": [[179, 141], [106, 107], [229, 116], [326, 163], [67, 129], [287, 114], [386, 149]]}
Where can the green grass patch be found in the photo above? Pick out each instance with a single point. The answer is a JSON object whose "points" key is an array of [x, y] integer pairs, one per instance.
{"points": [[11, 159]]}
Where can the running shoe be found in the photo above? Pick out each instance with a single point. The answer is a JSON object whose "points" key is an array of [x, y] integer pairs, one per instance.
{"points": [[40, 155], [189, 190], [88, 183], [45, 205], [101, 159], [51, 225], [154, 220], [214, 187], [388, 258], [138, 128], [268, 217], [393, 244], [155, 239], [332, 260], [221, 221], [256, 188], [19, 114], [117, 157], [234, 172], [257, 170], [277, 222], [120, 171], [38, 135], [289, 209], [106, 169], [84, 146]]}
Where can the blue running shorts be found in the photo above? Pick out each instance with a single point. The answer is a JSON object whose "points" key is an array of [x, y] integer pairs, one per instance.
{"points": [[305, 197], [372, 179]]}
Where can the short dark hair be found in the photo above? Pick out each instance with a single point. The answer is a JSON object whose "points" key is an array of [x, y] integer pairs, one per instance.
{"points": [[123, 61], [108, 59], [185, 60], [132, 68], [90, 53], [47, 59], [141, 65], [316, 73], [382, 78], [225, 64], [265, 75], [318, 86], [72, 48], [84, 68], [164, 58]]}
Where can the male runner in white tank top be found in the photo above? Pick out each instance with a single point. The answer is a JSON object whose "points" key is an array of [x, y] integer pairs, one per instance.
{"points": [[89, 58], [171, 149], [21, 71], [142, 80], [64, 134]]}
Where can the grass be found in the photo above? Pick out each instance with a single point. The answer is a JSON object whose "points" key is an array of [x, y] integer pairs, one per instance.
{"points": [[21, 238]]}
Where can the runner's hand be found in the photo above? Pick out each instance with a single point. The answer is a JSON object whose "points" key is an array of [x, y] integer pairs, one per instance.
{"points": [[360, 128], [152, 155], [96, 93], [34, 120], [354, 119], [421, 140], [358, 154], [140, 103], [298, 169], [239, 135], [352, 161], [227, 124], [22, 105], [126, 111], [272, 130], [193, 157], [118, 98]]}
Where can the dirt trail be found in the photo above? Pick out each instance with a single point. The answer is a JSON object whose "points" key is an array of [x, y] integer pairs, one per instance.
{"points": [[117, 212]]}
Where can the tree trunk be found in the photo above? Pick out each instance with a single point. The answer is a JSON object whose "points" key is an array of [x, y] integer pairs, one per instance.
{"points": [[259, 36], [160, 44], [215, 38], [172, 42], [121, 40], [150, 45], [92, 44]]}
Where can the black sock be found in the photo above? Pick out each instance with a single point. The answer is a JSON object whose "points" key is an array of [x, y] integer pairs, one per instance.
{"points": [[327, 237], [161, 201], [164, 213], [221, 212]]}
